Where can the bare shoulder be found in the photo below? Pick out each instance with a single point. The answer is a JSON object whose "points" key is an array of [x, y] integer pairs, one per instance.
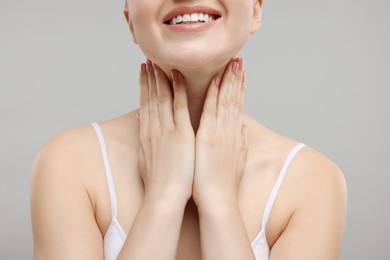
{"points": [[77, 150], [67, 176], [317, 172], [62, 210], [66, 153], [308, 218], [319, 195]]}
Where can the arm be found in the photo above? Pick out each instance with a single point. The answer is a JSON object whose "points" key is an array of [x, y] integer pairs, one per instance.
{"points": [[63, 220], [221, 149], [223, 233], [315, 229]]}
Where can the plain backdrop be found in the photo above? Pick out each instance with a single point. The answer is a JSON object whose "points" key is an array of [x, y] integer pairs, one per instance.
{"points": [[318, 72]]}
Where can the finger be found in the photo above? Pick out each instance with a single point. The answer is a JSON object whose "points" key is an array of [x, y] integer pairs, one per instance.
{"points": [[164, 94], [144, 97], [180, 104], [154, 117], [237, 87], [224, 96], [209, 114]]}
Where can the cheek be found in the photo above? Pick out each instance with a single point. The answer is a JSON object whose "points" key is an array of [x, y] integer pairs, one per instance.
{"points": [[240, 23]]}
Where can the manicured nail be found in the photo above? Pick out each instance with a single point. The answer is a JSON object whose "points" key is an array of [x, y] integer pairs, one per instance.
{"points": [[143, 69], [235, 67], [240, 63], [149, 62], [217, 81], [175, 76]]}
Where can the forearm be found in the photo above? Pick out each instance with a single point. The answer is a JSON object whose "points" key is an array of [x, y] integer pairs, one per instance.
{"points": [[223, 233], [156, 229]]}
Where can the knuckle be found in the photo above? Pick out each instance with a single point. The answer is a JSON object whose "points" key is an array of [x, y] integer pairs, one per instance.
{"points": [[226, 104], [235, 102], [162, 98], [152, 97], [179, 104]]}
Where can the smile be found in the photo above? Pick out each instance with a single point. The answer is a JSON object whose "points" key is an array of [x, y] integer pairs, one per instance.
{"points": [[191, 15], [193, 18]]}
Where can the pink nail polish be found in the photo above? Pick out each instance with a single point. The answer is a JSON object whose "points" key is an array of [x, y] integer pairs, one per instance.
{"points": [[175, 76], [240, 64], [234, 67], [143, 69], [217, 81]]}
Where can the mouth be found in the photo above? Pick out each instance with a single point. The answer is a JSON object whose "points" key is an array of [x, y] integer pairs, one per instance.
{"points": [[185, 15]]}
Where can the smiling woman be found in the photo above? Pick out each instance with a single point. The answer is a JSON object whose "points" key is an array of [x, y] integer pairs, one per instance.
{"points": [[187, 175]]}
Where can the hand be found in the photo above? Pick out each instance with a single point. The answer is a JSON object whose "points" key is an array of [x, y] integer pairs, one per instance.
{"points": [[221, 140], [167, 142]]}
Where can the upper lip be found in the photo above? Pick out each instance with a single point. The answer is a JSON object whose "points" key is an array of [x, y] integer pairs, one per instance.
{"points": [[190, 10]]}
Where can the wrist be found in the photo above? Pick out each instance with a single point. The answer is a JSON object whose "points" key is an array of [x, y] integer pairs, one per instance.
{"points": [[214, 210], [166, 198], [216, 201]]}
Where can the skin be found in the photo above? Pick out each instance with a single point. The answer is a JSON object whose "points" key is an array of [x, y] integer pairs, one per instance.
{"points": [[191, 169]]}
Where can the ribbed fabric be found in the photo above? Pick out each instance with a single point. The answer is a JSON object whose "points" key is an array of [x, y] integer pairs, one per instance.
{"points": [[115, 236]]}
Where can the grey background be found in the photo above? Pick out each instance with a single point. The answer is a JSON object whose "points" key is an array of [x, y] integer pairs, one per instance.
{"points": [[318, 72]]}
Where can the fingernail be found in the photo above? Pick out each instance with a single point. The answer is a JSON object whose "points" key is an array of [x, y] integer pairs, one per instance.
{"points": [[143, 69], [149, 62], [217, 81], [240, 63], [175, 76], [234, 67]]}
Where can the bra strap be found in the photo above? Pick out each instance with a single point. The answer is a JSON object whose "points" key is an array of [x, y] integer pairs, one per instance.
{"points": [[274, 192], [110, 180]]}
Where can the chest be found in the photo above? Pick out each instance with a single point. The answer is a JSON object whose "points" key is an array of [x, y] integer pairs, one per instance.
{"points": [[253, 194]]}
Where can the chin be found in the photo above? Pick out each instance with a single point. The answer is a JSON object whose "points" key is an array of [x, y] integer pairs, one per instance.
{"points": [[193, 56]]}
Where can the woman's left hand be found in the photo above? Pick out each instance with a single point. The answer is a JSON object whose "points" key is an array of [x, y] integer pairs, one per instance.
{"points": [[221, 140]]}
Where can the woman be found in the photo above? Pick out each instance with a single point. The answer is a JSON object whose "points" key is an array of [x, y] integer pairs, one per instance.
{"points": [[188, 175]]}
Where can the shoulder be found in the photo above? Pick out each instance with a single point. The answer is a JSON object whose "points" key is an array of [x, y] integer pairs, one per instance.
{"points": [[318, 173], [65, 152], [68, 176], [75, 150], [317, 190], [74, 156], [309, 170]]}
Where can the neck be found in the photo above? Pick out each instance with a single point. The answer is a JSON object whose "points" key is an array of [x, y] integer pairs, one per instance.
{"points": [[197, 83]]}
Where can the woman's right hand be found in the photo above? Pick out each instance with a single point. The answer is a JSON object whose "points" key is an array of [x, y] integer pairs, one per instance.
{"points": [[167, 141]]}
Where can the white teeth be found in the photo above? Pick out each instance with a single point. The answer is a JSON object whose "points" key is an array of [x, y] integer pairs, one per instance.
{"points": [[186, 18], [194, 17]]}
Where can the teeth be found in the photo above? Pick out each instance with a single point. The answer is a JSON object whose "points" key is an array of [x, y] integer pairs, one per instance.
{"points": [[192, 18], [186, 18]]}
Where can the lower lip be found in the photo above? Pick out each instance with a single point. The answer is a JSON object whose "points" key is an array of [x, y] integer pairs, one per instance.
{"points": [[191, 27]]}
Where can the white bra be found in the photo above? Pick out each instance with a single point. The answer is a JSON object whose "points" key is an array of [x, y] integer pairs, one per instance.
{"points": [[115, 237]]}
